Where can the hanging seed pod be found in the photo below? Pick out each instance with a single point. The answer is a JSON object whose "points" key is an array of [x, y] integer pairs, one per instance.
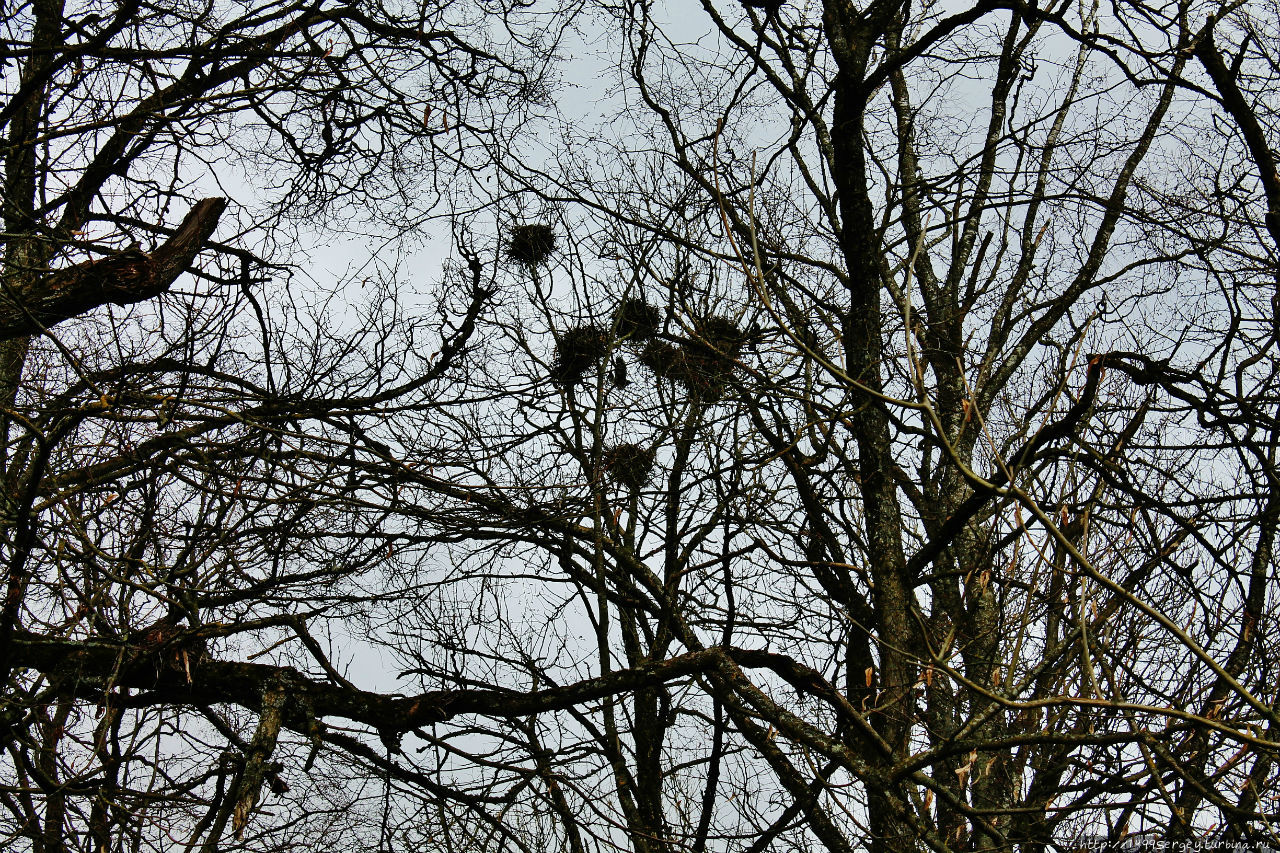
{"points": [[630, 465], [531, 244], [577, 351], [636, 320]]}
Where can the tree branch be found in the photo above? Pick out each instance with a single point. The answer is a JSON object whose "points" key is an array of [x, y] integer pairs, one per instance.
{"points": [[174, 674], [122, 279]]}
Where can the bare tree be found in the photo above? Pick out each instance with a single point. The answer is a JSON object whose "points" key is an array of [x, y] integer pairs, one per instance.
{"points": [[1007, 277], [870, 445], [146, 459]]}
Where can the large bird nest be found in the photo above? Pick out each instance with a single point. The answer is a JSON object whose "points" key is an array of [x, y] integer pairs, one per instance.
{"points": [[704, 364], [659, 357], [636, 320], [721, 335], [531, 244], [630, 465], [577, 351]]}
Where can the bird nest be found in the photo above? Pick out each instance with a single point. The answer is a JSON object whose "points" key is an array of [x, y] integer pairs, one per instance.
{"points": [[531, 244], [659, 356], [577, 351], [703, 364], [721, 335], [630, 465], [636, 320]]}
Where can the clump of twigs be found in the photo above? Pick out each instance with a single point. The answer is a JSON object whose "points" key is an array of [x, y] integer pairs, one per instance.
{"points": [[630, 465], [659, 356], [701, 375], [577, 351], [703, 364], [636, 320], [722, 335], [531, 244]]}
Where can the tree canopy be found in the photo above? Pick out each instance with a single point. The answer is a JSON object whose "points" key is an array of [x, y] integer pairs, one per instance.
{"points": [[749, 426]]}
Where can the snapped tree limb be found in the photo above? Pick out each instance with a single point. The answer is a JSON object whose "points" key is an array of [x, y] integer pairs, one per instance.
{"points": [[29, 305]]}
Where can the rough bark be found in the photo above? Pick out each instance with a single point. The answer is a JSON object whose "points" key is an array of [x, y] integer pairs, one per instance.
{"points": [[33, 303]]}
